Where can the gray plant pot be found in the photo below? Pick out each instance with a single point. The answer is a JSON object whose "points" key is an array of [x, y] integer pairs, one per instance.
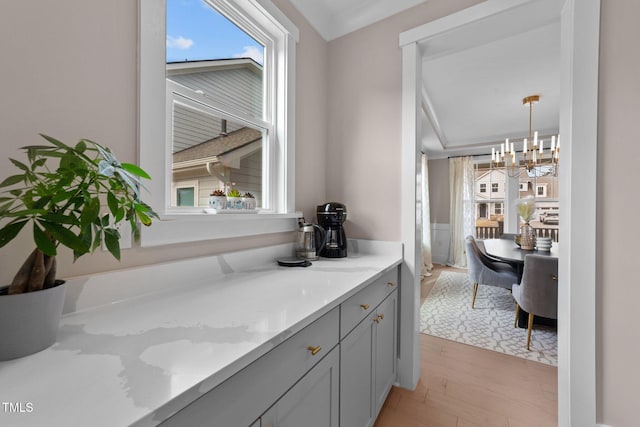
{"points": [[29, 322]]}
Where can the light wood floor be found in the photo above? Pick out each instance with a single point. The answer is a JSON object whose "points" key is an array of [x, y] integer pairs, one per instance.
{"points": [[466, 386]]}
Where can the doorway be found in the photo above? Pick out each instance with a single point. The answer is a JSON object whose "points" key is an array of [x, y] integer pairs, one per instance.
{"points": [[578, 122]]}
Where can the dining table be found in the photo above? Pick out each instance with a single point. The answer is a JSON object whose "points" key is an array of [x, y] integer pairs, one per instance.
{"points": [[506, 250]]}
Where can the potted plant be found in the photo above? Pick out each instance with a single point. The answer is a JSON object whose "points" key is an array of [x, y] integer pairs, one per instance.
{"points": [[249, 201], [526, 209], [217, 199], [64, 204], [234, 199]]}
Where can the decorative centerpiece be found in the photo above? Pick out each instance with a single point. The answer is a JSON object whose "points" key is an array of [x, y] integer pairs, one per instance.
{"points": [[526, 210], [63, 203], [217, 200], [249, 201], [234, 199]]}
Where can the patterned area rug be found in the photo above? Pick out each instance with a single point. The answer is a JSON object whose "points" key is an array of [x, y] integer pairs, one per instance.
{"points": [[447, 313]]}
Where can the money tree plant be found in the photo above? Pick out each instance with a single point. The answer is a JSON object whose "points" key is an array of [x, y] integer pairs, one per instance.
{"points": [[71, 196]]}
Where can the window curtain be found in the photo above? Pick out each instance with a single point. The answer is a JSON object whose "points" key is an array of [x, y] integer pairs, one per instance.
{"points": [[427, 263], [461, 207]]}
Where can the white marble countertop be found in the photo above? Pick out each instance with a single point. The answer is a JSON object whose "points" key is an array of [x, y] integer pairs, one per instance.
{"points": [[139, 359]]}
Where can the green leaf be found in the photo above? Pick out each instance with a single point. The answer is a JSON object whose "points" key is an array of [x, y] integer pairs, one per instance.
{"points": [[42, 202], [136, 170], [81, 146], [60, 218], [112, 242], [65, 237], [86, 235], [38, 163], [4, 208], [43, 242], [119, 216], [12, 180], [20, 165], [10, 231], [55, 142], [90, 212], [112, 201]]}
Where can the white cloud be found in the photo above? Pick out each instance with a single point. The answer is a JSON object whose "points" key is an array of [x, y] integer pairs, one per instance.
{"points": [[179, 42], [252, 52]]}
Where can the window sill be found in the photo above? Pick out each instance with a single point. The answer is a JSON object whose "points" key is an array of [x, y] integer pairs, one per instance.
{"points": [[192, 227]]}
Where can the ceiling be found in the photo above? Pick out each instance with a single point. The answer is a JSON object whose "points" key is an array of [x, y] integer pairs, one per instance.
{"points": [[474, 77], [335, 18]]}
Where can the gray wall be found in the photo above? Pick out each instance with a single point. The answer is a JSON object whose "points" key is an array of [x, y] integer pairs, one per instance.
{"points": [[439, 191]]}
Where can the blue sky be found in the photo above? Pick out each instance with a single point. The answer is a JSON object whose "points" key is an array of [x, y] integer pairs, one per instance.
{"points": [[196, 31]]}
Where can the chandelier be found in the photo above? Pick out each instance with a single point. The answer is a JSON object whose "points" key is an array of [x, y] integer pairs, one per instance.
{"points": [[533, 156]]}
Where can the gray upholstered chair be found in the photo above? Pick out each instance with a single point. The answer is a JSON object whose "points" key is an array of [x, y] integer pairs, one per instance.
{"points": [[537, 293], [484, 270]]}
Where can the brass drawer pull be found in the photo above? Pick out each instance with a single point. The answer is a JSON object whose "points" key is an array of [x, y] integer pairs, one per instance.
{"points": [[391, 283], [314, 350], [381, 316], [364, 306], [376, 319]]}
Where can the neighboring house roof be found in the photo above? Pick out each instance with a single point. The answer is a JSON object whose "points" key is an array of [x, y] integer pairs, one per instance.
{"points": [[219, 146]]}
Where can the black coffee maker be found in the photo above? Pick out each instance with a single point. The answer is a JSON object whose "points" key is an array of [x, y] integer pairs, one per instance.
{"points": [[330, 216]]}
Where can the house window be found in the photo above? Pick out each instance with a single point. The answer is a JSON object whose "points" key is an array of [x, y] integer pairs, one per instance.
{"points": [[494, 187], [498, 209], [483, 188], [185, 196], [233, 105], [541, 190]]}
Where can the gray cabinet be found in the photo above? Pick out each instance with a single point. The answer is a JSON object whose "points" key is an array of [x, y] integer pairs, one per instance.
{"points": [[313, 401], [356, 375], [386, 349], [245, 396], [336, 371], [368, 364]]}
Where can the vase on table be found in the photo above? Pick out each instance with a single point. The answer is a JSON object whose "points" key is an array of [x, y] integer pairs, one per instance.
{"points": [[527, 237]]}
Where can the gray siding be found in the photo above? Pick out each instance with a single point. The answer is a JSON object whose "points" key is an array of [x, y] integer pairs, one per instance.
{"points": [[239, 88]]}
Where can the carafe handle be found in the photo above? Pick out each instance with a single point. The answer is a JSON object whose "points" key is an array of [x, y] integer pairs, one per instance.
{"points": [[320, 237]]}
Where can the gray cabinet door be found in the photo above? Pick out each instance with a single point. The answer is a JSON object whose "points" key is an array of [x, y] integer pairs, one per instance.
{"points": [[313, 401], [356, 375], [385, 349]]}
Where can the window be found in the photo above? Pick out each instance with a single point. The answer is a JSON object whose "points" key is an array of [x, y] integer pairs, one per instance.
{"points": [[541, 190], [483, 188], [185, 193], [494, 187], [498, 209], [179, 106]]}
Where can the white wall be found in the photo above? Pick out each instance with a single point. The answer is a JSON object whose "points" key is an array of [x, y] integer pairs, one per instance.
{"points": [[618, 293]]}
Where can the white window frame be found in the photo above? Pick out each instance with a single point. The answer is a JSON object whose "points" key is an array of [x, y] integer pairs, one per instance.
{"points": [[184, 184], [544, 190], [265, 22]]}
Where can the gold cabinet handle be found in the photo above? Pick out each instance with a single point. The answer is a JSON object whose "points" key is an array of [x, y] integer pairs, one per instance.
{"points": [[376, 319], [364, 306], [381, 316], [391, 283], [554, 277], [314, 350]]}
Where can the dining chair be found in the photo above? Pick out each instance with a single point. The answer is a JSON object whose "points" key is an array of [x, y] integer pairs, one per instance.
{"points": [[484, 270], [537, 293]]}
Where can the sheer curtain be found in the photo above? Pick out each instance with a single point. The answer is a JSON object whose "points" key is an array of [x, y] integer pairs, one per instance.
{"points": [[462, 209], [427, 263]]}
